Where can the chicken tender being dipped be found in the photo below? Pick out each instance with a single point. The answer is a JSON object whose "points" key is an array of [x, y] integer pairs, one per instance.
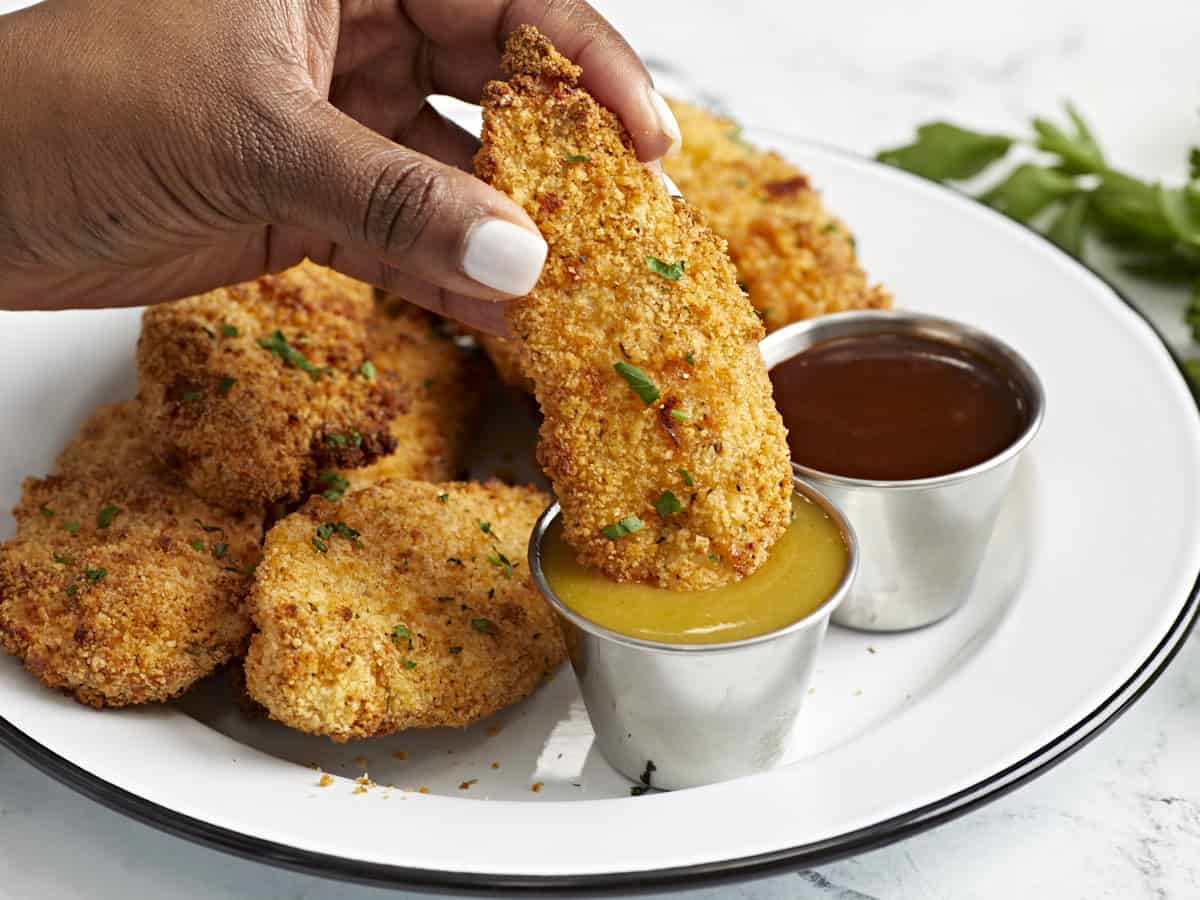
{"points": [[660, 434], [254, 389], [401, 605], [793, 257], [442, 382], [121, 586]]}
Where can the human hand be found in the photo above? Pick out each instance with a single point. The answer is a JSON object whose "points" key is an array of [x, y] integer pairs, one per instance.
{"points": [[155, 150]]}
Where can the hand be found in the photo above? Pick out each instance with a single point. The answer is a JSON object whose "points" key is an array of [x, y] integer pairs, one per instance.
{"points": [[157, 149]]}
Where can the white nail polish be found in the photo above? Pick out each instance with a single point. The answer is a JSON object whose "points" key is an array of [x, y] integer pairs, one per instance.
{"points": [[666, 120], [504, 256]]}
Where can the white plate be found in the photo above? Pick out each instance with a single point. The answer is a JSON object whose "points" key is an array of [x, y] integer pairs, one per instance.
{"points": [[1088, 589]]}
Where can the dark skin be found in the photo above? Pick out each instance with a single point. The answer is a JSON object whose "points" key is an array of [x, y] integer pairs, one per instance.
{"points": [[165, 148]]}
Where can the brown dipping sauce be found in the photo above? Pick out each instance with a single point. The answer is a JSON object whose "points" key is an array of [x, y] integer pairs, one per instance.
{"points": [[895, 407]]}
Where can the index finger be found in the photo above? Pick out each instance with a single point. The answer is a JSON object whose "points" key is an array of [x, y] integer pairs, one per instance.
{"points": [[467, 39]]}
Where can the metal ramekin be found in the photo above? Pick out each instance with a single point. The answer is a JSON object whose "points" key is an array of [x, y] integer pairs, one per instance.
{"points": [[922, 540], [697, 713]]}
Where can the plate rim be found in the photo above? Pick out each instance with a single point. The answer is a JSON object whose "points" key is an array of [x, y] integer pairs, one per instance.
{"points": [[694, 875]]}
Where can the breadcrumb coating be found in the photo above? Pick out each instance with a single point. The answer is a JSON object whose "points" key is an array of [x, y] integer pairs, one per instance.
{"points": [[252, 390], [418, 612], [633, 278], [793, 257], [442, 381], [505, 356], [120, 585]]}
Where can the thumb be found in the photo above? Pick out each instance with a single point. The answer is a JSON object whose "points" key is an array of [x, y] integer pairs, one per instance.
{"points": [[414, 214]]}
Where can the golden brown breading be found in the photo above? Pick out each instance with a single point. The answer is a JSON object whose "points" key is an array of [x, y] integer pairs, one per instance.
{"points": [[248, 423], [505, 355], [427, 617], [793, 257], [443, 382], [120, 586], [612, 293]]}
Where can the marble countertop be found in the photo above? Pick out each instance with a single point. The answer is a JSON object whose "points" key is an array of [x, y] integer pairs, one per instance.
{"points": [[1119, 819]]}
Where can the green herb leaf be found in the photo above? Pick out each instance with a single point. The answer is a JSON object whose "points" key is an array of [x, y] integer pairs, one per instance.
{"points": [[62, 559], [667, 504], [335, 485], [945, 152], [687, 477], [46, 511], [669, 271], [401, 632], [638, 380], [1079, 152], [320, 545], [72, 526], [442, 498], [1194, 163], [1067, 229], [228, 330], [219, 550], [689, 359], [106, 516], [577, 158], [484, 626], [1029, 190], [94, 576], [681, 414], [368, 370], [1192, 315], [225, 385], [456, 649], [622, 528], [191, 396], [291, 357], [485, 527], [496, 558], [199, 545], [1128, 213], [830, 228], [72, 590], [407, 663], [1181, 209], [208, 529], [1192, 367]]}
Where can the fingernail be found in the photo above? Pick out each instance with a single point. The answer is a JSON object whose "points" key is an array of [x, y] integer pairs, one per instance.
{"points": [[504, 256], [666, 120], [655, 166]]}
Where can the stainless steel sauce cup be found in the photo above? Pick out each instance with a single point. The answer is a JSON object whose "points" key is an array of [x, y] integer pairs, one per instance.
{"points": [[682, 715], [922, 541]]}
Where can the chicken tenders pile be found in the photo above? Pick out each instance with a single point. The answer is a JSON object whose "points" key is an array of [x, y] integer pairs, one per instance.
{"points": [[660, 434]]}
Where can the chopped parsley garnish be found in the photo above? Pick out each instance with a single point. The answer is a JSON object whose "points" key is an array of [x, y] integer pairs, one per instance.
{"points": [[72, 590], [191, 396], [106, 516], [62, 559], [712, 557], [667, 504], [484, 626], [72, 526], [335, 485], [341, 440], [620, 529], [209, 529], [578, 157], [199, 545], [638, 380], [500, 561], [291, 357], [687, 477], [689, 359], [407, 663], [368, 370], [94, 576], [829, 228], [485, 527], [669, 271], [46, 511], [328, 530], [442, 498], [681, 414], [219, 550], [228, 330], [225, 385], [319, 545], [401, 632], [456, 649]]}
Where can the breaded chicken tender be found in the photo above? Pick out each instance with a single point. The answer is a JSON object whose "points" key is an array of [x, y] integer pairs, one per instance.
{"points": [[252, 390], [402, 605], [505, 356], [660, 435], [442, 380], [793, 257], [120, 585]]}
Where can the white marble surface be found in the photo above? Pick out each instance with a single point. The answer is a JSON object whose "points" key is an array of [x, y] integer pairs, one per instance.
{"points": [[1119, 819]]}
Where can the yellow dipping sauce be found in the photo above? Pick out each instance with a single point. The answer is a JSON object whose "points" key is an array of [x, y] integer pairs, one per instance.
{"points": [[803, 570]]}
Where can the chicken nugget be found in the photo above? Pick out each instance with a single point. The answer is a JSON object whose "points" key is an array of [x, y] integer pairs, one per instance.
{"points": [[442, 380], [252, 390], [660, 434], [402, 605], [120, 585], [793, 257]]}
